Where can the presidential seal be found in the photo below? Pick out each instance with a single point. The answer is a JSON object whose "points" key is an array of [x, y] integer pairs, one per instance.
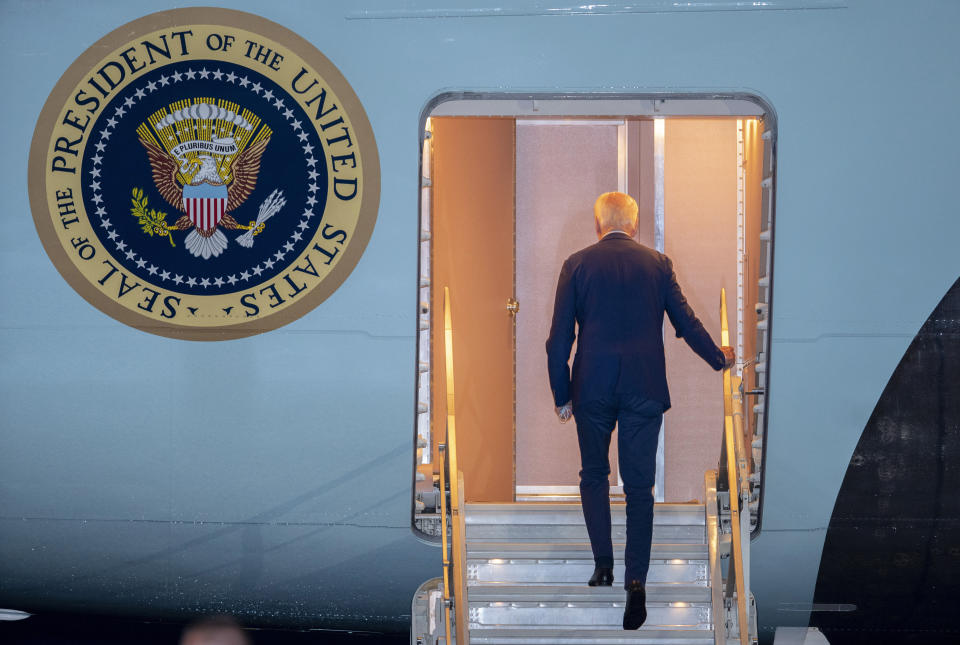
{"points": [[204, 174]]}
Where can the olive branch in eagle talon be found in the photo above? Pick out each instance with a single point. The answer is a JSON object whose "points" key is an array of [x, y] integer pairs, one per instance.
{"points": [[152, 222], [243, 178]]}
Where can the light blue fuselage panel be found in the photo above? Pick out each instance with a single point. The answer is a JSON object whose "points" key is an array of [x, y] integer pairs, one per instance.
{"points": [[272, 475]]}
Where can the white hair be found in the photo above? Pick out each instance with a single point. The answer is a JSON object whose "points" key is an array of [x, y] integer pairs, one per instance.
{"points": [[615, 211]]}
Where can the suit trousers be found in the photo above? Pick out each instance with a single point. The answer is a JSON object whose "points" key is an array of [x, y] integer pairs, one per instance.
{"points": [[638, 421]]}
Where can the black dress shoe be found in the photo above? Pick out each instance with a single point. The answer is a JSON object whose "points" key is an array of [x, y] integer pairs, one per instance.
{"points": [[635, 613], [602, 577]]}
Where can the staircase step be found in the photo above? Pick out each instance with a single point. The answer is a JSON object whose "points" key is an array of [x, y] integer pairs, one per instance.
{"points": [[560, 615], [661, 593], [576, 572], [571, 513], [563, 522], [577, 550], [662, 533], [642, 636]]}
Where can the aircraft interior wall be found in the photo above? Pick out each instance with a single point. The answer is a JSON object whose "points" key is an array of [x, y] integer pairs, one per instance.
{"points": [[472, 227], [561, 168], [700, 236]]}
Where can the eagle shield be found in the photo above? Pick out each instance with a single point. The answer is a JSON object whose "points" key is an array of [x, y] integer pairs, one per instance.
{"points": [[205, 204]]}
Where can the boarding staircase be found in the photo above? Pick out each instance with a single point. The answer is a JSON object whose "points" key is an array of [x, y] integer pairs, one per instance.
{"points": [[528, 563], [515, 574]]}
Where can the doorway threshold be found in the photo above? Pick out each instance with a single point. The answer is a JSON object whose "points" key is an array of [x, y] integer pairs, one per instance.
{"points": [[559, 493]]}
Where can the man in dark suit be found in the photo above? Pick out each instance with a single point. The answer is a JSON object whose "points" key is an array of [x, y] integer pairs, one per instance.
{"points": [[616, 292]]}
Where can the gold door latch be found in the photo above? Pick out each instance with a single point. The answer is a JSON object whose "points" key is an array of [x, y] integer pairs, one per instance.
{"points": [[513, 306]]}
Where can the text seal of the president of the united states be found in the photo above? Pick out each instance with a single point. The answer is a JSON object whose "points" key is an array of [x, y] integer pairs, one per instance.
{"points": [[204, 174]]}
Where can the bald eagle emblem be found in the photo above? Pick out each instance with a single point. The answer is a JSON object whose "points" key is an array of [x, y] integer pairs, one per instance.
{"points": [[209, 178]]}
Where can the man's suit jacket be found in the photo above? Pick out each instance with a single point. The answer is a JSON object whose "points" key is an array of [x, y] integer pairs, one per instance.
{"points": [[617, 292]]}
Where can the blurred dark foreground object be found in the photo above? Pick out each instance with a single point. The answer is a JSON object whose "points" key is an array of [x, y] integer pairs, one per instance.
{"points": [[214, 630]]}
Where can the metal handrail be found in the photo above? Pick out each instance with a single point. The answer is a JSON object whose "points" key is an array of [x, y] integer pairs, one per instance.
{"points": [[738, 487], [743, 477], [454, 551], [447, 596], [713, 553], [460, 561]]}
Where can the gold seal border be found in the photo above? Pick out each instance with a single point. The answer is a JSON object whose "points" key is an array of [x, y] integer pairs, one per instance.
{"points": [[350, 104]]}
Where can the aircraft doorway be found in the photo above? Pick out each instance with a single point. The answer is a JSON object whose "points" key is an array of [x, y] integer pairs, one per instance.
{"points": [[507, 196]]}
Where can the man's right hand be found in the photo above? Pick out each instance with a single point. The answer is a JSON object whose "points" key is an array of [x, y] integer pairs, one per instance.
{"points": [[729, 356]]}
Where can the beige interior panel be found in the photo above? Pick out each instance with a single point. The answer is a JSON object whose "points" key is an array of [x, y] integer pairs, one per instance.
{"points": [[700, 227], [561, 169], [473, 217]]}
